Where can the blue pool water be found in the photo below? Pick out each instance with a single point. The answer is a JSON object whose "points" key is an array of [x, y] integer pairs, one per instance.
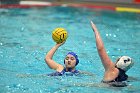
{"points": [[25, 38]]}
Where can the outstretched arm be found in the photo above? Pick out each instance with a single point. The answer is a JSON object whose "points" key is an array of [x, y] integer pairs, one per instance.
{"points": [[50, 62], [106, 61]]}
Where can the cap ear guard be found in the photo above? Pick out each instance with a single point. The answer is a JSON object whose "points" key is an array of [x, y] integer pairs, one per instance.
{"points": [[124, 63], [77, 61]]}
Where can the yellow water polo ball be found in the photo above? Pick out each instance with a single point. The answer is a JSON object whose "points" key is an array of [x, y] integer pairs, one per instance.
{"points": [[59, 35]]}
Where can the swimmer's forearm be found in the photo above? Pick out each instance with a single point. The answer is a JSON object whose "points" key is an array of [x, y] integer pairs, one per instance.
{"points": [[99, 42], [107, 63], [52, 51], [48, 59]]}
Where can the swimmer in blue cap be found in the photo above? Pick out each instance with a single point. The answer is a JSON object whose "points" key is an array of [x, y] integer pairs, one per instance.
{"points": [[115, 73], [71, 61]]}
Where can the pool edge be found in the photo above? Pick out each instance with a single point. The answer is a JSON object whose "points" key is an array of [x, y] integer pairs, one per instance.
{"points": [[29, 4]]}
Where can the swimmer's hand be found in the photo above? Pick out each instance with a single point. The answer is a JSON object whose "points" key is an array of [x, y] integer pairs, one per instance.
{"points": [[93, 26], [59, 44]]}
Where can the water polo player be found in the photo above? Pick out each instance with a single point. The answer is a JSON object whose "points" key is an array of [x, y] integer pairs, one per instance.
{"points": [[115, 73], [71, 61]]}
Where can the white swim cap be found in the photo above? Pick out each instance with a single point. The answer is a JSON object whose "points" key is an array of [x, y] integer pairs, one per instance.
{"points": [[124, 63]]}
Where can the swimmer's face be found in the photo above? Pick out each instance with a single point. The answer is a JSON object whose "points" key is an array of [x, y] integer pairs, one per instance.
{"points": [[70, 61]]}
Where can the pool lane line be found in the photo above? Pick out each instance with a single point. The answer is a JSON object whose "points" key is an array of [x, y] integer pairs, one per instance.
{"points": [[26, 5], [91, 6], [104, 7], [56, 4], [127, 9], [29, 4]]}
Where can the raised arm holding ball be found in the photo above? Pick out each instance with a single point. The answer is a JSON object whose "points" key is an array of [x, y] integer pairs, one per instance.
{"points": [[59, 35]]}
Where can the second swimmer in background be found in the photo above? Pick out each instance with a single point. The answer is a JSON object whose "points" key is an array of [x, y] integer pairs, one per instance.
{"points": [[115, 73]]}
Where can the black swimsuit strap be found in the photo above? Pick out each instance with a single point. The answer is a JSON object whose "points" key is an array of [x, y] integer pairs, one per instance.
{"points": [[122, 76]]}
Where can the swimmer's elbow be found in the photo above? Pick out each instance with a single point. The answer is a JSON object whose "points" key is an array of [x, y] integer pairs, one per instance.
{"points": [[102, 51], [100, 48], [47, 60]]}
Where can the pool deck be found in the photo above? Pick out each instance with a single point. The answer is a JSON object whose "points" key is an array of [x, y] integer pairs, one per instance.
{"points": [[98, 5]]}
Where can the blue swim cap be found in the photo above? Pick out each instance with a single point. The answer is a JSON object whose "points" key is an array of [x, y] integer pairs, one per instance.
{"points": [[76, 57]]}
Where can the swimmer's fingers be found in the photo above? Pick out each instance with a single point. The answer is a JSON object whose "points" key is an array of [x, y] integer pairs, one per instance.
{"points": [[59, 44], [63, 42], [93, 26]]}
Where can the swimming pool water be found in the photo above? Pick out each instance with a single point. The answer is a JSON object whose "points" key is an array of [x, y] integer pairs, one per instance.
{"points": [[25, 38]]}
